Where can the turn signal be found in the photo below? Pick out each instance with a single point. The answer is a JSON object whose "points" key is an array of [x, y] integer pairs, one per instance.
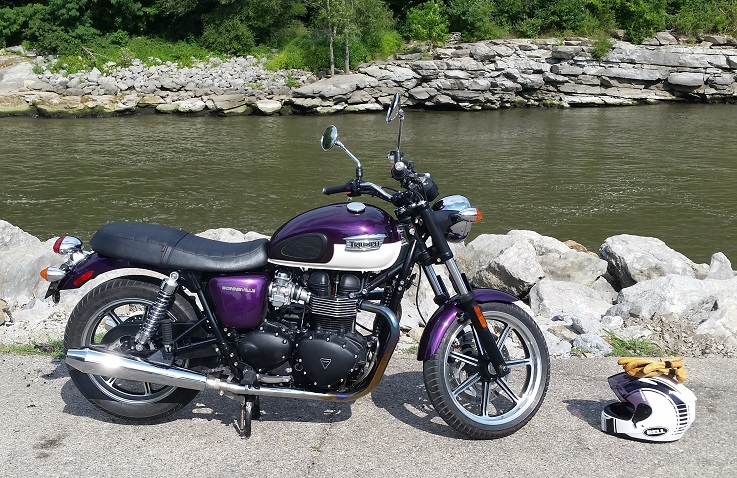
{"points": [[52, 274], [470, 214]]}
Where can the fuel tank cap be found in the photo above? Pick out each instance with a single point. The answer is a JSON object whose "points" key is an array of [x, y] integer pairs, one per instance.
{"points": [[356, 207]]}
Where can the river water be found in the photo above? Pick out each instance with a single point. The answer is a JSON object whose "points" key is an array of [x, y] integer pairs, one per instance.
{"points": [[667, 171]]}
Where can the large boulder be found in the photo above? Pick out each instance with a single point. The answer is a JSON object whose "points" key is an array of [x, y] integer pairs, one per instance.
{"points": [[563, 301], [339, 85], [682, 297], [573, 266], [635, 259]]}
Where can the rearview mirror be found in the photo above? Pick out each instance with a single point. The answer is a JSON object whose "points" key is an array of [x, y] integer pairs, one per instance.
{"points": [[394, 109], [329, 137]]}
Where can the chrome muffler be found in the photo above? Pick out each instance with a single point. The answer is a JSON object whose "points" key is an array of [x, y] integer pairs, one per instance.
{"points": [[111, 364]]}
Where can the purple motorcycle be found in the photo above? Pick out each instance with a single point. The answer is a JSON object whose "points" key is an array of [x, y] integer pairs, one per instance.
{"points": [[278, 317]]}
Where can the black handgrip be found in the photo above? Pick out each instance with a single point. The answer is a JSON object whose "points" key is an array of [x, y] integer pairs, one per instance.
{"points": [[343, 188]]}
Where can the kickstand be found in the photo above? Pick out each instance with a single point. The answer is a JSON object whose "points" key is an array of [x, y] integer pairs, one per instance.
{"points": [[250, 409]]}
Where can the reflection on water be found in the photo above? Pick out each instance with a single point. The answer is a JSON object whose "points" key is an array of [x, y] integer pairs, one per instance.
{"points": [[584, 174]]}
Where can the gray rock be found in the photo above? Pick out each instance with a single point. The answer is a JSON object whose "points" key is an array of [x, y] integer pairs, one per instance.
{"points": [[566, 69], [422, 93], [12, 237], [482, 52], [691, 80], [684, 298], [665, 38], [565, 52], [20, 281], [720, 40], [636, 74], [720, 267], [227, 234], [592, 344], [268, 107], [635, 258], [194, 105], [542, 244], [337, 85], [549, 298], [364, 107], [573, 266], [514, 270], [722, 323]]}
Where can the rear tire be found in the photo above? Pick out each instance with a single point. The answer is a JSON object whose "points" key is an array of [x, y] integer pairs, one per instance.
{"points": [[499, 407], [93, 322]]}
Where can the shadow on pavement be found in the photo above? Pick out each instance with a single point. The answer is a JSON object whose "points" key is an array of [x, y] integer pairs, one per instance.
{"points": [[587, 410], [403, 395], [209, 405]]}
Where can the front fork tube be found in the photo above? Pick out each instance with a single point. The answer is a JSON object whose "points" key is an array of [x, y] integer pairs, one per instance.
{"points": [[492, 363]]}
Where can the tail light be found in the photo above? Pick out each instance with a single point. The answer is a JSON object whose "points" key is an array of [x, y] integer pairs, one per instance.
{"points": [[67, 245]]}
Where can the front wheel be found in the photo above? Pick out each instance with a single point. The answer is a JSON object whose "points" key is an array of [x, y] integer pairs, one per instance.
{"points": [[489, 408]]}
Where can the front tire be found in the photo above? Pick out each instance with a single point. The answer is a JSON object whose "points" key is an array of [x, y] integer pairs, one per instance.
{"points": [[95, 321], [484, 409]]}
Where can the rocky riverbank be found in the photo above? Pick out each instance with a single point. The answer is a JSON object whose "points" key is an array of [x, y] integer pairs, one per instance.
{"points": [[634, 287], [465, 76]]}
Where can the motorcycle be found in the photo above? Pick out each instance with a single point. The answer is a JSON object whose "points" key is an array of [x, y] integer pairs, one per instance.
{"points": [[278, 317]]}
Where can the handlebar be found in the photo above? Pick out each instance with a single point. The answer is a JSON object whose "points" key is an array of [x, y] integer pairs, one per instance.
{"points": [[341, 188], [354, 188]]}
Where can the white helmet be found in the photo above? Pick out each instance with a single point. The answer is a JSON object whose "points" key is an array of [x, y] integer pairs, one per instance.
{"points": [[650, 409]]}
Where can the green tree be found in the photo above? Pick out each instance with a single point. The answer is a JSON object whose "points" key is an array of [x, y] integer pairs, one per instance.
{"points": [[474, 19], [428, 21], [350, 21], [641, 18]]}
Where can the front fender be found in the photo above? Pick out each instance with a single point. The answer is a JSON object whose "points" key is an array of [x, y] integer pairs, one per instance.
{"points": [[91, 267], [448, 312]]}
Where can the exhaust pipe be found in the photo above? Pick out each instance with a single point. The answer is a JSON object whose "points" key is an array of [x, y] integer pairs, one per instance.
{"points": [[111, 364]]}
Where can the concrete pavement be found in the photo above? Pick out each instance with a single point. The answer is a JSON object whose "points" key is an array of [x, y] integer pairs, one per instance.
{"points": [[48, 429]]}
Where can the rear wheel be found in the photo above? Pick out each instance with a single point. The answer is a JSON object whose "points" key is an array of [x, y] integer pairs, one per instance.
{"points": [[109, 312], [489, 408]]}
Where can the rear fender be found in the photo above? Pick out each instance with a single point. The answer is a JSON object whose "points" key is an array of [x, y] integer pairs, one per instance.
{"points": [[444, 316], [92, 267]]}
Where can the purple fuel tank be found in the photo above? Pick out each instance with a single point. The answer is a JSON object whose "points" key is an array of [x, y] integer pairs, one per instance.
{"points": [[347, 236], [240, 300]]}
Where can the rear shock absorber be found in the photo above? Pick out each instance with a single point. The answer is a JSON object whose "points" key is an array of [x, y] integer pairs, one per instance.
{"points": [[158, 315]]}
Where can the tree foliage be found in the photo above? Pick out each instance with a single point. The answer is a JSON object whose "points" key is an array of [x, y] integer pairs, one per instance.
{"points": [[428, 21], [359, 30]]}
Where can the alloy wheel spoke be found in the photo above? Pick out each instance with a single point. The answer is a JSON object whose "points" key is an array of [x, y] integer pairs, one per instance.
{"points": [[519, 363], [503, 336], [510, 393], [114, 317], [486, 396], [465, 358], [477, 339], [470, 381]]}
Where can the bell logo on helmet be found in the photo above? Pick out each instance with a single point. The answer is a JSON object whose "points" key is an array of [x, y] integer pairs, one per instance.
{"points": [[655, 431]]}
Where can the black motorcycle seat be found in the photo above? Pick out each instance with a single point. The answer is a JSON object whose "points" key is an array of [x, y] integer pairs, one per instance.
{"points": [[172, 248]]}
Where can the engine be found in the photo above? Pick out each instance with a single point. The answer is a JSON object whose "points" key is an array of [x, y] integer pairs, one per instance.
{"points": [[312, 333]]}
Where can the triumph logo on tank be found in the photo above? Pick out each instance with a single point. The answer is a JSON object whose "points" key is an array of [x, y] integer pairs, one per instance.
{"points": [[366, 242]]}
